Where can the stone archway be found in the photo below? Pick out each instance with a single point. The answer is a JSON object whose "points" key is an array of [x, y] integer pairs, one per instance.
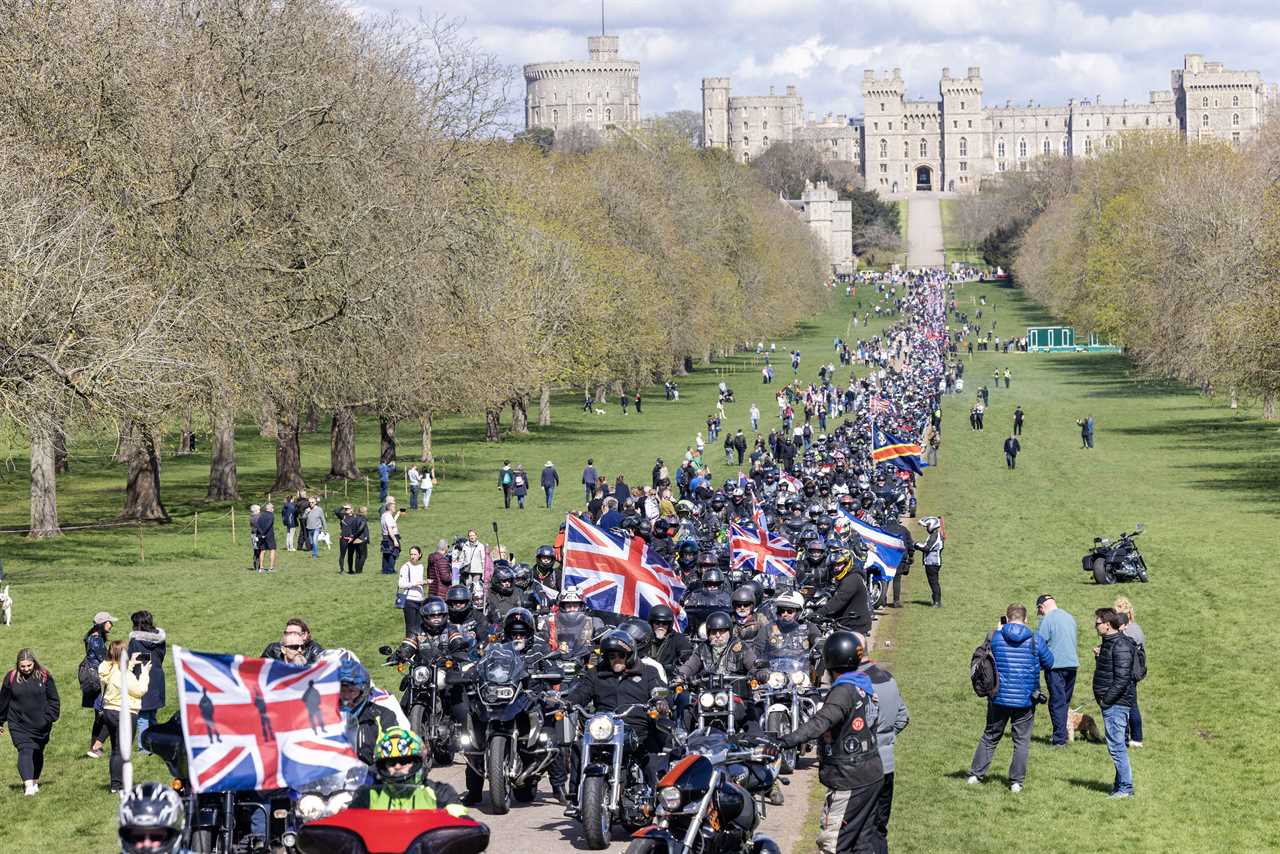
{"points": [[924, 178]]}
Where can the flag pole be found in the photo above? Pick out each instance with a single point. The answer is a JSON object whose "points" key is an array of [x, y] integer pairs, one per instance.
{"points": [[124, 735]]}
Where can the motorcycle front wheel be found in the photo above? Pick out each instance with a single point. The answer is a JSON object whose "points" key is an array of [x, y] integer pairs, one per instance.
{"points": [[496, 769], [779, 724], [596, 820], [877, 591], [1100, 573]]}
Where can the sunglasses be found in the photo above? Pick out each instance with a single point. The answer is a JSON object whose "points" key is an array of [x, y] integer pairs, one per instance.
{"points": [[159, 836], [293, 647]]}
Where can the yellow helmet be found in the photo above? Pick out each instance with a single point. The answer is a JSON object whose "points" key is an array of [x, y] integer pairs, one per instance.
{"points": [[841, 564], [398, 746]]}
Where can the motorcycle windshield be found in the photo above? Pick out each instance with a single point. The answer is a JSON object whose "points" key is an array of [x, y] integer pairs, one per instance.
{"points": [[790, 662], [710, 743], [502, 665]]}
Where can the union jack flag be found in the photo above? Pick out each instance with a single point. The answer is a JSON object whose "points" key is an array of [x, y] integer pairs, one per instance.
{"points": [[256, 723], [878, 406], [753, 548], [618, 574], [793, 482]]}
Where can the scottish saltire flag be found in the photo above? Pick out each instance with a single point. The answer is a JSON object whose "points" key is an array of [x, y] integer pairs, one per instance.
{"points": [[618, 574], [754, 549], [256, 723], [888, 448], [883, 549]]}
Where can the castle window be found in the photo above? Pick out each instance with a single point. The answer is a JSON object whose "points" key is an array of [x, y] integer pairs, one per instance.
{"points": [[884, 168], [1064, 146], [1107, 143], [922, 126], [746, 141], [1048, 147], [608, 115], [882, 106], [955, 125], [1108, 121], [924, 148], [1086, 122], [1000, 149], [555, 117], [884, 148], [890, 125], [1001, 123], [964, 166], [906, 148], [766, 142], [746, 126], [1088, 146], [1000, 166], [1235, 120], [746, 157], [588, 94], [764, 125], [1215, 102], [1204, 120], [1204, 102], [1235, 138], [1235, 100], [1124, 121], [964, 147], [875, 126], [590, 115], [971, 124], [1022, 148], [1147, 121]]}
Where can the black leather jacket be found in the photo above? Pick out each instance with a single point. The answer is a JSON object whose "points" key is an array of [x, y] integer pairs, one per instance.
{"points": [[1113, 671]]}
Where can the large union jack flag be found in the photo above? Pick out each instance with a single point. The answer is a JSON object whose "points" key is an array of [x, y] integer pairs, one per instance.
{"points": [[617, 574], [753, 548], [256, 723]]}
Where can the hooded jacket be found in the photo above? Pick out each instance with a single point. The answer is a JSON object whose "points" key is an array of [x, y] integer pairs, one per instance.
{"points": [[153, 643], [1019, 656]]}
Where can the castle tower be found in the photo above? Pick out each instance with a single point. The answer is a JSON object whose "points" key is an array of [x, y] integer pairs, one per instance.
{"points": [[883, 105], [715, 112], [963, 139], [598, 92]]}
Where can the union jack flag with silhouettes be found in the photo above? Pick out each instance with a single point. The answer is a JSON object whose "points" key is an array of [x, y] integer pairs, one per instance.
{"points": [[257, 723], [617, 574]]}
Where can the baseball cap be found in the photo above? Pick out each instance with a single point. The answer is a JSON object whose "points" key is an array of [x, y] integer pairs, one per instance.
{"points": [[1042, 598], [103, 617]]}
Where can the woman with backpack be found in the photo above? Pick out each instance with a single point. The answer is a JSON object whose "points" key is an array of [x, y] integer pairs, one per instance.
{"points": [[95, 652], [29, 705]]}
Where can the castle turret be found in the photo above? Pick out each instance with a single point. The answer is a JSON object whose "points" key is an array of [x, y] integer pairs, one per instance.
{"points": [[715, 112]]}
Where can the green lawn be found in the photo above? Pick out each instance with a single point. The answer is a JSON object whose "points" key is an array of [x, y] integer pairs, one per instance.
{"points": [[953, 250]]}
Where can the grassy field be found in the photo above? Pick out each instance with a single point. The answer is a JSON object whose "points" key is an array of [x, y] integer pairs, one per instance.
{"points": [[953, 251]]}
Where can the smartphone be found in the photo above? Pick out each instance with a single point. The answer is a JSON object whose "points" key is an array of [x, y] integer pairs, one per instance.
{"points": [[1004, 621], [144, 657]]}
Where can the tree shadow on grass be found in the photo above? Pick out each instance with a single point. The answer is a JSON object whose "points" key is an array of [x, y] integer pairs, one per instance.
{"points": [[1111, 375], [1092, 785]]}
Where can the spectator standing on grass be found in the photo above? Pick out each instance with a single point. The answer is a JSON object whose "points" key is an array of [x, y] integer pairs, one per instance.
{"points": [[289, 516], [550, 480], [412, 584], [471, 559], [414, 477], [1019, 659], [151, 642], [385, 470], [1086, 432], [520, 485], [1012, 447], [390, 527], [315, 524], [1008, 377], [29, 706], [1017, 420], [1057, 630], [755, 418], [506, 482], [265, 528], [427, 485], [114, 703], [1113, 689], [346, 523], [358, 545], [589, 477], [95, 652], [303, 505], [255, 560], [439, 570], [1134, 632]]}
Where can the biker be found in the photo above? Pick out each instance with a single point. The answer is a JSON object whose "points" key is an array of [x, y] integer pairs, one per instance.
{"points": [[720, 655], [849, 606], [503, 595], [687, 559], [661, 541], [464, 616], [400, 781], [544, 567], [715, 515], [530, 596], [642, 634], [364, 719], [848, 757], [747, 623], [519, 631], [711, 592], [787, 633], [815, 572], [151, 820], [570, 629], [932, 549], [670, 648]]}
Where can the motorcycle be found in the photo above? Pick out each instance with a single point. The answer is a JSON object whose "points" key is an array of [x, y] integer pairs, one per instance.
{"points": [[360, 831], [1118, 560], [613, 787], [789, 699], [710, 802], [431, 673], [508, 739], [715, 695]]}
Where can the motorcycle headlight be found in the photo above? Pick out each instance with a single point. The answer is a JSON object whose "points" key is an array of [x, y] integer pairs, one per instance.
{"points": [[600, 728], [421, 675], [440, 676], [311, 807], [671, 798], [706, 699], [497, 693], [799, 678], [722, 700], [340, 802], [777, 680]]}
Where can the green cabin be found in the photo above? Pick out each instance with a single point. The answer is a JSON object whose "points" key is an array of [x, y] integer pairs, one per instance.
{"points": [[1050, 339]]}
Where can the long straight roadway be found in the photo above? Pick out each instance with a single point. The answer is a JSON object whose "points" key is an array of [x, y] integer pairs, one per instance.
{"points": [[924, 232]]}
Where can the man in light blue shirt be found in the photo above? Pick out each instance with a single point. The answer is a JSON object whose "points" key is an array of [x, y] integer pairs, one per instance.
{"points": [[1057, 631]]}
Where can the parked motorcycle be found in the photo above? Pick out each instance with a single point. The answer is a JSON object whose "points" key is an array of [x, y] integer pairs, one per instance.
{"points": [[508, 739], [409, 831], [431, 673], [789, 699], [1119, 560], [613, 788], [710, 802]]}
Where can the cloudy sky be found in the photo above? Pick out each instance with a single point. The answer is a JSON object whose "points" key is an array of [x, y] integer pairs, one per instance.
{"points": [[1041, 50]]}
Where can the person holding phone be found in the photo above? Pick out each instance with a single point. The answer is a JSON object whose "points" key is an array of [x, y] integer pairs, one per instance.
{"points": [[137, 679], [150, 644]]}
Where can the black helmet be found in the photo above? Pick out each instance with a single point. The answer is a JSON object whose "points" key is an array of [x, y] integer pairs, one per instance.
{"points": [[815, 513], [518, 621], [718, 621], [545, 556], [703, 492], [434, 612], [842, 651], [640, 633], [712, 576], [795, 504], [662, 529], [717, 501], [458, 594], [619, 640], [707, 560], [644, 529], [504, 577], [662, 614], [744, 595], [149, 809], [524, 575], [816, 550]]}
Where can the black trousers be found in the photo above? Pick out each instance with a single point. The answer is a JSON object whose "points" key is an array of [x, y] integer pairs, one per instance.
{"points": [[112, 720], [30, 747], [344, 549], [847, 825], [935, 587], [884, 805], [357, 553], [1017, 428]]}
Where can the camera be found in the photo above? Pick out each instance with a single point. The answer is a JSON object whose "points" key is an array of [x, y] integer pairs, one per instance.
{"points": [[1038, 697]]}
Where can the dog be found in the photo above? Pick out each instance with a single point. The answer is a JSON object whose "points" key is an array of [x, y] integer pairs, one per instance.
{"points": [[1079, 722], [323, 537], [6, 605], [600, 412]]}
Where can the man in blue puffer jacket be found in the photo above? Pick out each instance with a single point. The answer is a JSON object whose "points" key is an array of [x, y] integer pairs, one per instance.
{"points": [[1019, 660]]}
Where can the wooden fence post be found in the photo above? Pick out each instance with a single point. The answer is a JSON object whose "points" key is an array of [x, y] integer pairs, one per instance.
{"points": [[233, 527], [195, 535], [142, 554]]}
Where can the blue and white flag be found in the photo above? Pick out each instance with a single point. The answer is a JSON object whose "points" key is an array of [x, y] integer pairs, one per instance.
{"points": [[883, 549]]}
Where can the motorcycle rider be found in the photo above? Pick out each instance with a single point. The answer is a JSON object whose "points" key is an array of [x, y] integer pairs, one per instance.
{"points": [[642, 634], [570, 629], [720, 655], [815, 571], [747, 622], [932, 549], [503, 595], [670, 648], [465, 617], [849, 606], [364, 719], [687, 559], [545, 567], [530, 595], [151, 820], [849, 762], [400, 780], [787, 633]]}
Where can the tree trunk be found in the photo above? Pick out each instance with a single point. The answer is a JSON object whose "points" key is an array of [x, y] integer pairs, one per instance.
{"points": [[520, 414], [544, 407], [123, 439], [492, 425], [223, 485], [187, 441], [288, 454], [427, 456], [267, 419], [44, 484], [387, 427], [706, 355], [61, 465], [312, 421], [617, 388], [602, 393], [142, 493], [342, 446], [1269, 406]]}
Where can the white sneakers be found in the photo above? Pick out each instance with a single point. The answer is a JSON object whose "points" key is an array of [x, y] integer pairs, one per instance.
{"points": [[31, 787], [1015, 787], [973, 781], [1133, 743]]}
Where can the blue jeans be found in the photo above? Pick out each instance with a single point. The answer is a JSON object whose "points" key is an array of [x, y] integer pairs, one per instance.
{"points": [[145, 719], [315, 542], [1116, 720], [413, 497], [551, 491], [1061, 682], [383, 488], [1135, 718]]}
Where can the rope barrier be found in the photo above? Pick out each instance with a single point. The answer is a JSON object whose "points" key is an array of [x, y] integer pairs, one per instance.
{"points": [[98, 526]]}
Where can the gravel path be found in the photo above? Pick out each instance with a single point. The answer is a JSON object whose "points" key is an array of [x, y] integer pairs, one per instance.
{"points": [[924, 232]]}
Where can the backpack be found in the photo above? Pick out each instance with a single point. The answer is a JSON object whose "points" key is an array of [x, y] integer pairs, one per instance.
{"points": [[982, 670], [90, 681], [506, 477], [1139, 661]]}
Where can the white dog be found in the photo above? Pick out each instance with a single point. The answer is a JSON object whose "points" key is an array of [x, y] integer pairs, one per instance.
{"points": [[6, 604], [600, 412], [323, 537]]}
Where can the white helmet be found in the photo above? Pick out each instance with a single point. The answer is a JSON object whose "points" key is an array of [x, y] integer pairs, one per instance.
{"points": [[790, 599], [931, 523], [571, 595]]}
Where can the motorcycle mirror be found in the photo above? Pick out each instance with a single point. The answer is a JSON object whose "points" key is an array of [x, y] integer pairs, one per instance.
{"points": [[659, 693], [1139, 528], [385, 649]]}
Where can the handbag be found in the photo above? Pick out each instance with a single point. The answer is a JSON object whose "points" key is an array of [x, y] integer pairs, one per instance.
{"points": [[90, 681], [401, 598]]}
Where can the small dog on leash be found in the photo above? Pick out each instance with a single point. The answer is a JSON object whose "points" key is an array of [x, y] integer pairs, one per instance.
{"points": [[1079, 722], [6, 605], [323, 537], [600, 412]]}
